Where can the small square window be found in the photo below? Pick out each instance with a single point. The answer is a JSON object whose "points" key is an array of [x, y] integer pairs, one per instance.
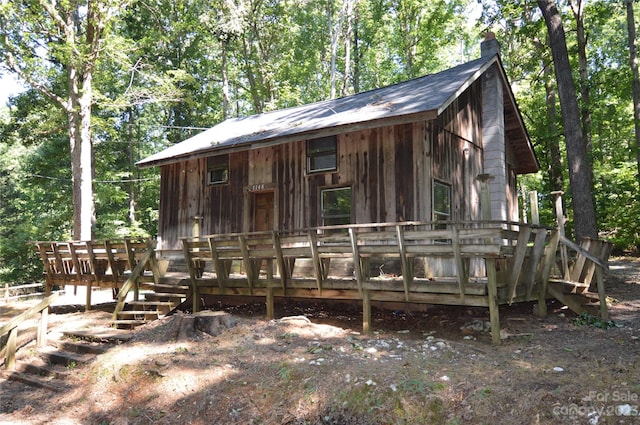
{"points": [[218, 169], [322, 154]]}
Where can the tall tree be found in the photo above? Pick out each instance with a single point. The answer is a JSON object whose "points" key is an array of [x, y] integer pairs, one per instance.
{"points": [[580, 178], [633, 59], [577, 8], [54, 47]]}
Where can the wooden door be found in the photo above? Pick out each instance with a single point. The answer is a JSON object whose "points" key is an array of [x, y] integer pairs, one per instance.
{"points": [[264, 216]]}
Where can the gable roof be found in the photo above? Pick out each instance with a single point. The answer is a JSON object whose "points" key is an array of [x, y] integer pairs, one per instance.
{"points": [[420, 98]]}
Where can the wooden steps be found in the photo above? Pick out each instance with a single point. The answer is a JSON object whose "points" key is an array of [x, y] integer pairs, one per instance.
{"points": [[576, 296], [49, 367], [159, 300]]}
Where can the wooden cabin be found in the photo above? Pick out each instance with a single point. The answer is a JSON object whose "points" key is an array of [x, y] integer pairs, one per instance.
{"points": [[403, 194], [407, 152], [417, 177]]}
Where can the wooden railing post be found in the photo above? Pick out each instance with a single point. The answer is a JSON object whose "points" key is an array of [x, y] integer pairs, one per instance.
{"points": [[317, 264], [11, 328], [12, 342], [407, 275], [41, 339], [560, 219], [132, 280], [535, 210], [357, 264], [195, 294], [490, 263]]}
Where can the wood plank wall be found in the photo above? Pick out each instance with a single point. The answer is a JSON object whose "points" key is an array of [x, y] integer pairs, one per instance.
{"points": [[388, 168]]}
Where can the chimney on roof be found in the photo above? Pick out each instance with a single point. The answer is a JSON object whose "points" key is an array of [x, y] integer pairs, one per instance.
{"points": [[490, 45]]}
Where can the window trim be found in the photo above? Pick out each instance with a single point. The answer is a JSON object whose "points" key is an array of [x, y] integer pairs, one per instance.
{"points": [[217, 163], [324, 216], [322, 153], [437, 214]]}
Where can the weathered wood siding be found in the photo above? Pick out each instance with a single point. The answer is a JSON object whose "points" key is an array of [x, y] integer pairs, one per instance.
{"points": [[389, 170], [457, 153]]}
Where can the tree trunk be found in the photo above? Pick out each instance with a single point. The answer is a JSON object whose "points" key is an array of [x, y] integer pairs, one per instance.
{"points": [[585, 92], [132, 170], [348, 35], [579, 176], [356, 53], [334, 34], [556, 180], [633, 57], [258, 104], [226, 99], [552, 139], [81, 154]]}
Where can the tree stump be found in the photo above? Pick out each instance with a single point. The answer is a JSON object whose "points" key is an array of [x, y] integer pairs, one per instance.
{"points": [[186, 326]]}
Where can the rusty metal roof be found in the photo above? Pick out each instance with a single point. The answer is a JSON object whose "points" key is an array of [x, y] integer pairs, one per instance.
{"points": [[420, 98]]}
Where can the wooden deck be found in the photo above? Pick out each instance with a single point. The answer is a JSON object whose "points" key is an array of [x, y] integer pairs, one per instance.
{"points": [[474, 264], [484, 264], [101, 264]]}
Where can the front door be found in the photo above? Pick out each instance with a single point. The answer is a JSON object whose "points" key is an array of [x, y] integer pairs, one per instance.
{"points": [[264, 216]]}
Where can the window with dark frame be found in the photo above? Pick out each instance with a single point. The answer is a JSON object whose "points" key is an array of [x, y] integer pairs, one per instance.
{"points": [[218, 169], [322, 154], [335, 206], [441, 202]]}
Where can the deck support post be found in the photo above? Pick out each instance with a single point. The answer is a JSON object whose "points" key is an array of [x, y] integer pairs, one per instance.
{"points": [[490, 263], [196, 297], [87, 307], [270, 306], [366, 312], [604, 311], [492, 293]]}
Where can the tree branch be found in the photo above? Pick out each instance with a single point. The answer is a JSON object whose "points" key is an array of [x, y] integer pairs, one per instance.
{"points": [[13, 66]]}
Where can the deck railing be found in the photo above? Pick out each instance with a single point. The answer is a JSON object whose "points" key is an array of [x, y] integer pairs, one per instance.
{"points": [[12, 326], [461, 253], [106, 263]]}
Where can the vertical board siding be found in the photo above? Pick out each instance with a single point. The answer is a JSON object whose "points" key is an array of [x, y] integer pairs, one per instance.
{"points": [[388, 168], [456, 152]]}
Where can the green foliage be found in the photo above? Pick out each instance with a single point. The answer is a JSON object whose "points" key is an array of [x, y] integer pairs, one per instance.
{"points": [[35, 181], [585, 319], [169, 69], [618, 205]]}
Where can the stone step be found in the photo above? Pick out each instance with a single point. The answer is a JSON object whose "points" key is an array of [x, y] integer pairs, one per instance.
{"points": [[64, 358], [81, 347], [32, 380]]}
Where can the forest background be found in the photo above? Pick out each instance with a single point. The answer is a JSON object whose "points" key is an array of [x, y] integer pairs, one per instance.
{"points": [[156, 72]]}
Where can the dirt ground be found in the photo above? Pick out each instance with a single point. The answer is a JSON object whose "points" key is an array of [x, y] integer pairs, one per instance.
{"points": [[312, 366]]}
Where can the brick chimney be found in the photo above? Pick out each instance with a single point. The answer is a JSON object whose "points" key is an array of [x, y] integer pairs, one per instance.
{"points": [[490, 45]]}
